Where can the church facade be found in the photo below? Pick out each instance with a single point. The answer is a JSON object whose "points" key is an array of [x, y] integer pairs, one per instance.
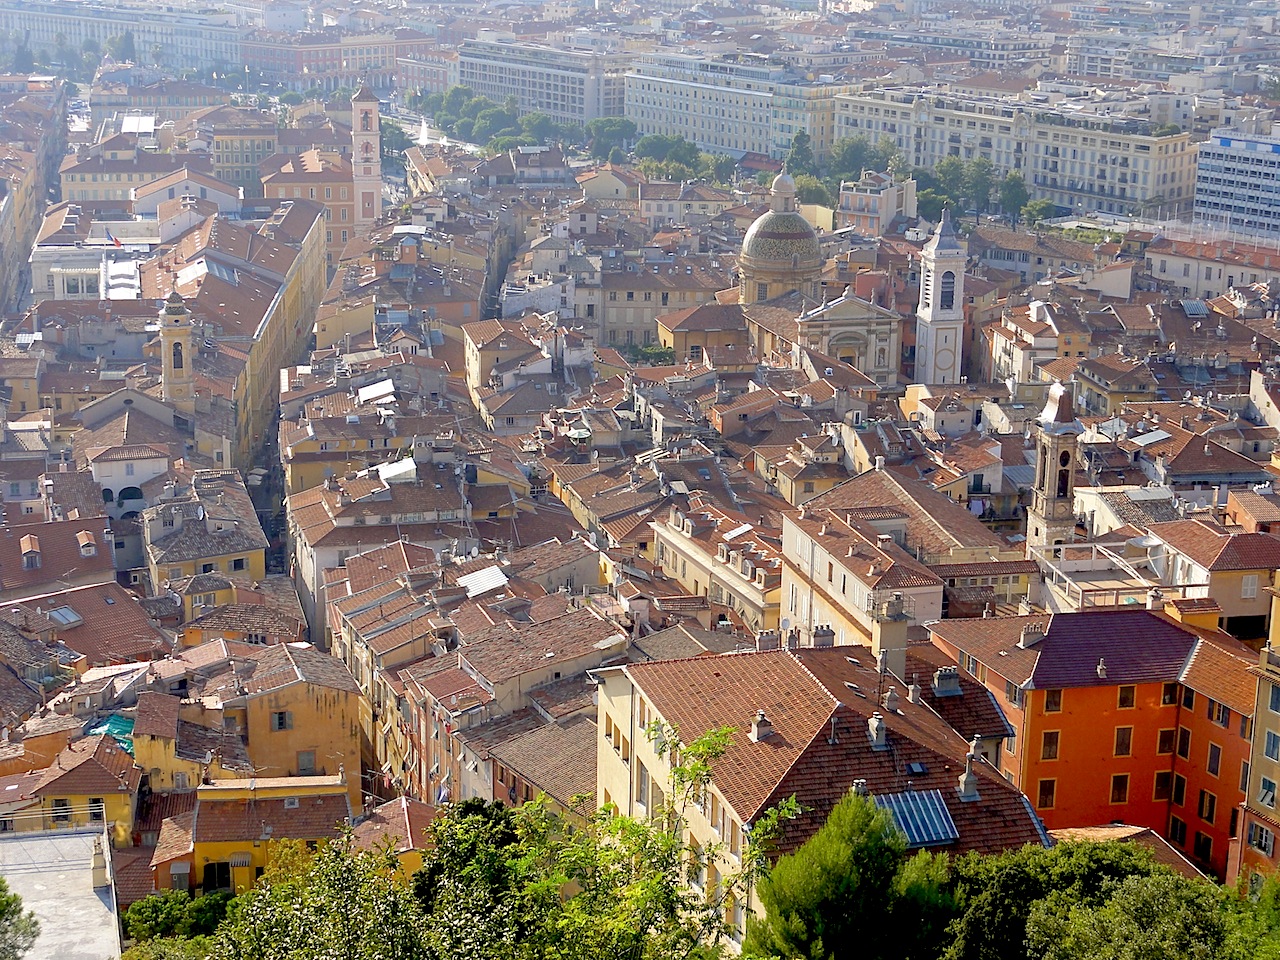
{"points": [[779, 288]]}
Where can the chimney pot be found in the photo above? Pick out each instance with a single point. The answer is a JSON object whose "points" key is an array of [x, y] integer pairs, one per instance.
{"points": [[761, 728]]}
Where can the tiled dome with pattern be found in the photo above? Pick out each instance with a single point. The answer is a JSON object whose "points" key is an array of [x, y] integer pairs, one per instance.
{"points": [[782, 235]]}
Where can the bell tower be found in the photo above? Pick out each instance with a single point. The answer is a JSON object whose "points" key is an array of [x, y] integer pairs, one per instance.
{"points": [[178, 381], [1051, 518], [940, 314], [366, 156]]}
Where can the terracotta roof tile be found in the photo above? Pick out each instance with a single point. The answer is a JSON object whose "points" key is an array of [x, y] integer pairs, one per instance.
{"points": [[91, 766], [801, 757], [313, 818], [157, 715], [404, 820]]}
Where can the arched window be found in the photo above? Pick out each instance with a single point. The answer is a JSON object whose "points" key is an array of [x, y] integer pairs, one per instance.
{"points": [[948, 298], [366, 120], [1064, 483], [177, 356]]}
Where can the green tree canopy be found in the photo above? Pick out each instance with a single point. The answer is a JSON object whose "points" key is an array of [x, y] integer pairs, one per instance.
{"points": [[343, 902], [851, 883], [608, 134], [995, 896], [1138, 918], [849, 157], [809, 189], [18, 927], [1013, 195], [662, 148], [1037, 210], [979, 181], [800, 159]]}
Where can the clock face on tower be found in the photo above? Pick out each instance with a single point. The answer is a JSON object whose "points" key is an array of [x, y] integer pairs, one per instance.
{"points": [[367, 148], [945, 358]]}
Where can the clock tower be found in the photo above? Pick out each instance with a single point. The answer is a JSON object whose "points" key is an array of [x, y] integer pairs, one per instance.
{"points": [[1051, 518], [940, 314], [366, 157]]}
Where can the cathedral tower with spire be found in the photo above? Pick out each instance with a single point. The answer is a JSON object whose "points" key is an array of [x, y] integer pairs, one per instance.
{"points": [[366, 156], [940, 314]]}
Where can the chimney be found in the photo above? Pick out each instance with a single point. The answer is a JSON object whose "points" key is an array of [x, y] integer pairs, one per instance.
{"points": [[1155, 599], [859, 789], [891, 699], [946, 682], [879, 464], [968, 785], [1102, 669], [913, 691], [1032, 634], [878, 732], [768, 640], [98, 865], [761, 728], [987, 611]]}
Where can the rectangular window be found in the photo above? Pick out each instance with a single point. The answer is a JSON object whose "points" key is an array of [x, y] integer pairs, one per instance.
{"points": [[1215, 759], [1124, 741], [97, 809], [1045, 795], [281, 720], [1189, 698], [1244, 776], [1267, 793], [1169, 695], [1164, 786], [1260, 838], [1208, 806], [1049, 745], [1275, 699], [61, 810], [1126, 698], [1221, 715], [1165, 740], [1053, 701], [1177, 832], [1179, 789], [306, 763], [1184, 743], [642, 784], [1202, 849], [1249, 587], [1120, 788]]}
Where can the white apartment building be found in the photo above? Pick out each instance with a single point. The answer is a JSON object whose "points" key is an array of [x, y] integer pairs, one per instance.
{"points": [[1238, 182], [570, 86], [1084, 156], [734, 104], [185, 38], [995, 49]]}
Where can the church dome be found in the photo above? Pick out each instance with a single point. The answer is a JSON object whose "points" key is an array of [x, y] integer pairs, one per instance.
{"points": [[782, 236]]}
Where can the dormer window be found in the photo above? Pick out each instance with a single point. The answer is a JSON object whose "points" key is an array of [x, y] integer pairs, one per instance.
{"points": [[30, 552], [722, 552]]}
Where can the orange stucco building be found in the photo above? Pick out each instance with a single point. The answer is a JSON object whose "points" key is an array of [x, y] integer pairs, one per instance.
{"points": [[1122, 715]]}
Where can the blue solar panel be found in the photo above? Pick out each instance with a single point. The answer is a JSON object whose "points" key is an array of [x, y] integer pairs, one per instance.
{"points": [[922, 816], [1195, 308]]}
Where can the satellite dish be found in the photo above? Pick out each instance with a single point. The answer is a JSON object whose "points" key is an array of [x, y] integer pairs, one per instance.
{"points": [[208, 756], [475, 551]]}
